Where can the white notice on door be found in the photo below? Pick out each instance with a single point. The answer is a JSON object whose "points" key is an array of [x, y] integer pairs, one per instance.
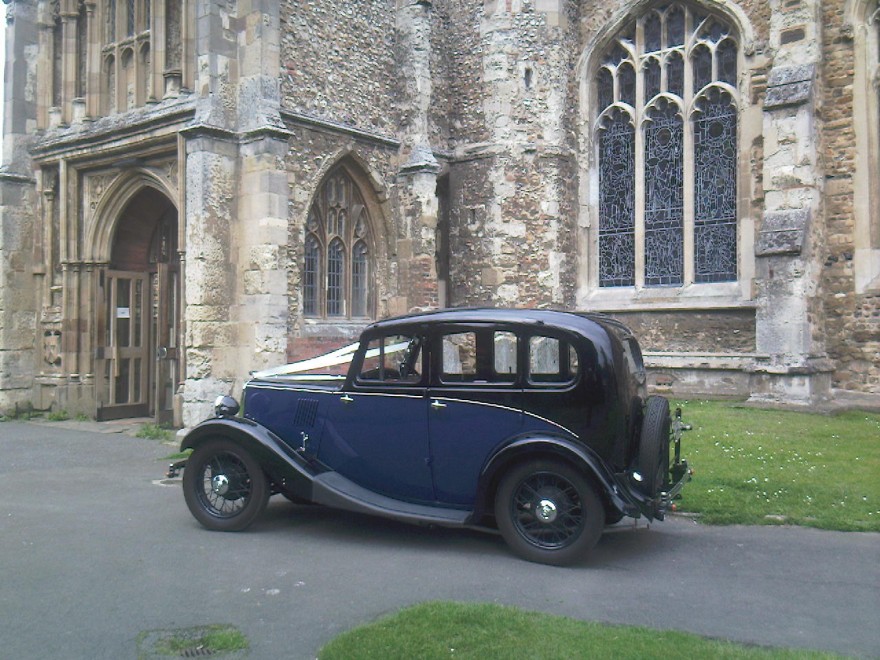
{"points": [[123, 312]]}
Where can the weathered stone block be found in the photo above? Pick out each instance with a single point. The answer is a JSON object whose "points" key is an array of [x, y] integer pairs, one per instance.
{"points": [[791, 85], [782, 232]]}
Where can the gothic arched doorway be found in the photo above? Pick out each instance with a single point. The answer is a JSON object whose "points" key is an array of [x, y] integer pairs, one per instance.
{"points": [[138, 313]]}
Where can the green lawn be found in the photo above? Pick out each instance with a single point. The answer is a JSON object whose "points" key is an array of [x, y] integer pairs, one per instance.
{"points": [[778, 467], [486, 631]]}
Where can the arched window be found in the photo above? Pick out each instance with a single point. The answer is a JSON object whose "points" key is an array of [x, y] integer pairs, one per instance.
{"points": [[337, 272], [128, 80], [146, 77], [667, 151], [109, 106]]}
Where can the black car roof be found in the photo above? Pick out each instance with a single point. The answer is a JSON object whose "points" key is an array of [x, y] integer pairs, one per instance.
{"points": [[580, 322]]}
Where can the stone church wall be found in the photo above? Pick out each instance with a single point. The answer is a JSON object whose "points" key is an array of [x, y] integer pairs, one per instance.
{"points": [[338, 62], [469, 126], [852, 320]]}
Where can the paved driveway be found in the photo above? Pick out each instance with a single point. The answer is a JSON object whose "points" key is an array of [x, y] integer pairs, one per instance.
{"points": [[93, 552]]}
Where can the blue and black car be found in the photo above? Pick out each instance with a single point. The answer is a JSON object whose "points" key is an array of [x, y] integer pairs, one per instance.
{"points": [[535, 423]]}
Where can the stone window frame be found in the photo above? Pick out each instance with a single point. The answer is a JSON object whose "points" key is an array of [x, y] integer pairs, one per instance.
{"points": [[125, 39], [690, 295], [330, 296], [93, 69], [862, 22]]}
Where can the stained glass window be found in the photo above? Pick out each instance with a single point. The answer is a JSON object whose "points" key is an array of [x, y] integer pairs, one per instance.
{"points": [[336, 276], [311, 276], [715, 188], [617, 201], [687, 141], [359, 275], [664, 209]]}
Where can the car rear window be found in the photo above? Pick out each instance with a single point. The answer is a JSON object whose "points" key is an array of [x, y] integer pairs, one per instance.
{"points": [[552, 361]]}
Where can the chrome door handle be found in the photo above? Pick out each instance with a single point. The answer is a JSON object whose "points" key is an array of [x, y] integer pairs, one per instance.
{"points": [[436, 405], [346, 399]]}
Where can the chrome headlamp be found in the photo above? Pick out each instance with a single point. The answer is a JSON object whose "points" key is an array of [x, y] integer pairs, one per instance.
{"points": [[225, 406]]}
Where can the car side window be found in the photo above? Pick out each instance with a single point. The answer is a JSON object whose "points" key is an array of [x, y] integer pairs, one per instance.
{"points": [[482, 356], [552, 361], [459, 357], [392, 359]]}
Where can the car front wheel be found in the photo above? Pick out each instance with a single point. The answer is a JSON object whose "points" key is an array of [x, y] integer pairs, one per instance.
{"points": [[548, 512], [224, 486]]}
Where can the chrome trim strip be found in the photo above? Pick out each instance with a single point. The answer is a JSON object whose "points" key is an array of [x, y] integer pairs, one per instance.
{"points": [[517, 410], [422, 395]]}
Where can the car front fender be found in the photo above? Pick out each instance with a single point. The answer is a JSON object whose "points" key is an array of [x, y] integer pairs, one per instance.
{"points": [[534, 447], [287, 469]]}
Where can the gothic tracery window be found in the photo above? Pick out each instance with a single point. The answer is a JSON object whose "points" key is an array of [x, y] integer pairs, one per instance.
{"points": [[667, 144], [337, 273]]}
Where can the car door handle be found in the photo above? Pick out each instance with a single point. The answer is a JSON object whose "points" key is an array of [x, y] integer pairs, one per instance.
{"points": [[346, 399], [436, 405]]}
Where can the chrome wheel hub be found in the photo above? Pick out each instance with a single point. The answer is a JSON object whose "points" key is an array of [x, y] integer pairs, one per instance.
{"points": [[220, 484], [546, 511]]}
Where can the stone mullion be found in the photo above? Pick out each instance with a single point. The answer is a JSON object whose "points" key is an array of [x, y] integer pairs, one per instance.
{"points": [[44, 82], [93, 69], [689, 224], [188, 44], [158, 53], [639, 118]]}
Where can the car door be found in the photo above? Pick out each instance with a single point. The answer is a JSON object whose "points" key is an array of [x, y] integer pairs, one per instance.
{"points": [[473, 405], [376, 430]]}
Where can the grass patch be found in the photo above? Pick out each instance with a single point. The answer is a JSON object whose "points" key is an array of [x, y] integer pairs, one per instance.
{"points": [[155, 432], [215, 640], [469, 630], [58, 416], [757, 466], [178, 455]]}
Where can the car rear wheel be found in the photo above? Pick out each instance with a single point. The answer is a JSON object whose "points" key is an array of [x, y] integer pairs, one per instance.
{"points": [[548, 512], [224, 486], [654, 446]]}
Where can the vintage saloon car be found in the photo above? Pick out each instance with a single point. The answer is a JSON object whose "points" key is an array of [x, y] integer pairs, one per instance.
{"points": [[535, 423]]}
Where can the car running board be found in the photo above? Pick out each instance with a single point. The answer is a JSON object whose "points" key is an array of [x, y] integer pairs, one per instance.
{"points": [[333, 490]]}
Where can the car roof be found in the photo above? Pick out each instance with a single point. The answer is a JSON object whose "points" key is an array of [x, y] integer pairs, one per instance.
{"points": [[580, 322]]}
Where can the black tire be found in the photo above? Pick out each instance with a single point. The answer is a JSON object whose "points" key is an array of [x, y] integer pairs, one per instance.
{"points": [[562, 531], [654, 446], [224, 486]]}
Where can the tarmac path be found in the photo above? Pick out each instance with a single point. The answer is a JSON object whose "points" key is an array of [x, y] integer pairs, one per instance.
{"points": [[95, 551]]}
